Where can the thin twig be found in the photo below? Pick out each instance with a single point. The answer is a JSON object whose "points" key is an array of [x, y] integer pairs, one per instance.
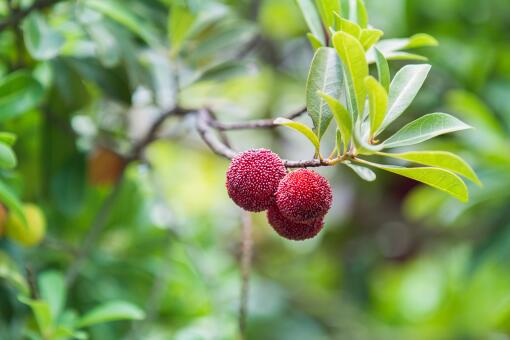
{"points": [[32, 284], [246, 258], [253, 124]]}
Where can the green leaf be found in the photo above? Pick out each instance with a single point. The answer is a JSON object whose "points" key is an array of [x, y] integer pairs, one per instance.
{"points": [[19, 92], [438, 159], [378, 102], [42, 313], [383, 70], [312, 19], [325, 76], [181, 20], [441, 179], [364, 173], [316, 44], [358, 12], [53, 291], [9, 199], [327, 8], [403, 90], [369, 37], [8, 138], [350, 27], [224, 71], [355, 67], [10, 273], [111, 311], [7, 157], [417, 40], [41, 40], [119, 12], [424, 128], [395, 55], [301, 128], [342, 116]]}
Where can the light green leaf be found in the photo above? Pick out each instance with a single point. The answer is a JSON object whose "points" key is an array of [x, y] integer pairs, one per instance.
{"points": [[342, 116], [42, 313], [369, 37], [316, 44], [327, 8], [181, 20], [383, 70], [424, 128], [438, 159], [312, 19], [53, 291], [325, 76], [403, 90], [338, 141], [358, 12], [364, 173], [350, 27], [301, 128], [378, 102], [10, 273], [441, 179], [7, 157], [355, 68], [111, 311], [417, 40], [9, 199], [8, 138], [19, 92], [119, 12], [41, 40], [395, 55], [224, 71]]}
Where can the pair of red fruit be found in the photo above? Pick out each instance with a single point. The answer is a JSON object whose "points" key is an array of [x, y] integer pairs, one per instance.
{"points": [[296, 202]]}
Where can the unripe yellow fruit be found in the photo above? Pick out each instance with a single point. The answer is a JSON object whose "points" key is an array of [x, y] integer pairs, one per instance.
{"points": [[30, 234]]}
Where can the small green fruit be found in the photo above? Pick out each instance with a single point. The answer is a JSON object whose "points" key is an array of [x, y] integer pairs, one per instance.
{"points": [[30, 234]]}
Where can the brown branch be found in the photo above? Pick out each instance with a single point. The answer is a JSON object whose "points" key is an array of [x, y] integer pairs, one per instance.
{"points": [[253, 124], [246, 258], [14, 19]]}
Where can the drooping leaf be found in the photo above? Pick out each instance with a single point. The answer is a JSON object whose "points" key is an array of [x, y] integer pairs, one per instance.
{"points": [[312, 19], [325, 76], [111, 311], [424, 128], [441, 179], [438, 159], [403, 90], [355, 68], [301, 128], [53, 291], [395, 55], [327, 8], [41, 40], [369, 37], [383, 70], [179, 25], [342, 116], [7, 157], [19, 92], [364, 173], [378, 103], [415, 41]]}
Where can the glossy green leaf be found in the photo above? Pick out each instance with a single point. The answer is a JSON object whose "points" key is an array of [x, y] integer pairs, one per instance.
{"points": [[383, 70], [12, 275], [369, 37], [342, 116], [42, 313], [41, 40], [111, 311], [438, 159], [395, 55], [350, 27], [327, 8], [378, 103], [358, 12], [403, 90], [417, 40], [316, 44], [53, 291], [7, 157], [9, 199], [325, 76], [312, 19], [180, 22], [355, 68], [441, 179], [19, 92], [424, 128], [364, 173], [301, 128]]}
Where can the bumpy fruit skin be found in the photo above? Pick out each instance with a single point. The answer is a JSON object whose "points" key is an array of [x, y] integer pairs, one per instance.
{"points": [[304, 196], [30, 234], [292, 230], [253, 177]]}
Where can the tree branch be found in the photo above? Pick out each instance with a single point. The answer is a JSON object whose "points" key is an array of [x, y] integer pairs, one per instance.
{"points": [[246, 258], [253, 124], [17, 16]]}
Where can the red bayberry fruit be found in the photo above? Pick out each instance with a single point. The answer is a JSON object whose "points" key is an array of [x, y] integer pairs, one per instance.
{"points": [[292, 230], [304, 196], [253, 177]]}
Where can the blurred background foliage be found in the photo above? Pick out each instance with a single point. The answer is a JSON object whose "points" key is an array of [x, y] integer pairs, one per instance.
{"points": [[82, 81]]}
